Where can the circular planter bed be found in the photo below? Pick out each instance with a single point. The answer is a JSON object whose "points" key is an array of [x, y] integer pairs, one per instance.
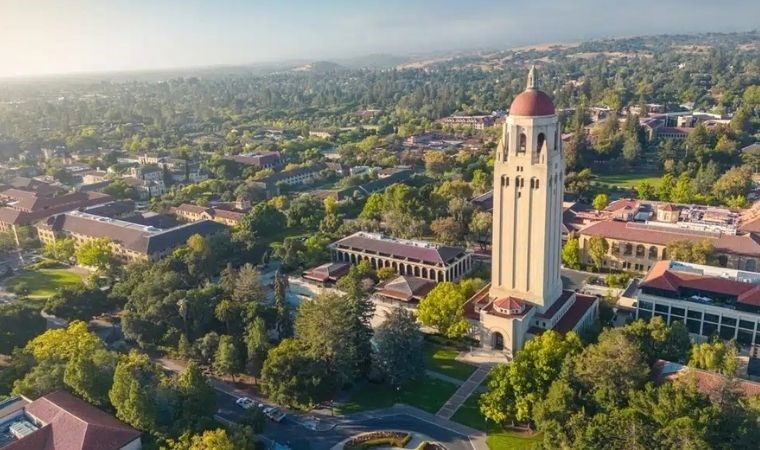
{"points": [[377, 438]]}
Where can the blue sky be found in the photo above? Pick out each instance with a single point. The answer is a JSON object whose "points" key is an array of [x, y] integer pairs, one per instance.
{"points": [[61, 36]]}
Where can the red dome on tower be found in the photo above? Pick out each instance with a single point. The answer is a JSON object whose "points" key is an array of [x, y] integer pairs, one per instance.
{"points": [[532, 101]]}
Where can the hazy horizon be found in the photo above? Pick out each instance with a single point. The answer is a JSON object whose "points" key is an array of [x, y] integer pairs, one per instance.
{"points": [[87, 36]]}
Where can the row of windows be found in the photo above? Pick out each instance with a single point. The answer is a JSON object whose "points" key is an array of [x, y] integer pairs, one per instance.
{"points": [[628, 266], [641, 250], [699, 315], [520, 182], [707, 329]]}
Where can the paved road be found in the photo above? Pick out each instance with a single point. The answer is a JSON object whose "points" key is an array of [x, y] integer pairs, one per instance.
{"points": [[297, 437]]}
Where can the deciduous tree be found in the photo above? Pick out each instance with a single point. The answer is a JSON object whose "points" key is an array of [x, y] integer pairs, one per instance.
{"points": [[399, 348], [514, 390], [596, 248], [443, 309], [571, 253]]}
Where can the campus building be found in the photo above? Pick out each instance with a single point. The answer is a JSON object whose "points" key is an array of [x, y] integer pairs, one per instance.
{"points": [[261, 160], [292, 177], [525, 296], [478, 122], [60, 421], [132, 239], [422, 259], [191, 212], [708, 300], [638, 246], [24, 207]]}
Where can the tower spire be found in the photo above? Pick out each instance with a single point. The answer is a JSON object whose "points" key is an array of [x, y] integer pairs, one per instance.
{"points": [[532, 80]]}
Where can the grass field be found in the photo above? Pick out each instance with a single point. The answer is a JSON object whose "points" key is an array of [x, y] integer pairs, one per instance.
{"points": [[428, 394], [44, 282], [443, 360], [498, 439], [629, 180]]}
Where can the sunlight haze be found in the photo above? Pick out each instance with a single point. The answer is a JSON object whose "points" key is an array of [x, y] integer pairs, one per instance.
{"points": [[48, 36]]}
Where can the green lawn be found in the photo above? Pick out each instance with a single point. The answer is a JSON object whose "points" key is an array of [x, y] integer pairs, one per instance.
{"points": [[428, 394], [443, 360], [498, 439], [629, 180], [44, 282]]}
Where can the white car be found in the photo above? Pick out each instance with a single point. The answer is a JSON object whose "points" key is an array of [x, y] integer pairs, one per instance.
{"points": [[275, 414], [245, 403]]}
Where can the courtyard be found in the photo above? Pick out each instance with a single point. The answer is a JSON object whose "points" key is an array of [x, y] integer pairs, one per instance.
{"points": [[42, 283]]}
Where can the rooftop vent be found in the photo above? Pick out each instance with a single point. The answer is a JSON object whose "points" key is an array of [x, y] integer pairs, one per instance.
{"points": [[22, 428]]}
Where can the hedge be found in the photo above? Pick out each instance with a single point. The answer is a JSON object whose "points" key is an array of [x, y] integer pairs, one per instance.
{"points": [[377, 438]]}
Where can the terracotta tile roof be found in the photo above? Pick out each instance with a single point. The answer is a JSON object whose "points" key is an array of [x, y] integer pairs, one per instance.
{"points": [[397, 248], [68, 202], [329, 271], [132, 236], [195, 209], [575, 313], [525, 307], [663, 277], [507, 303], [227, 214], [211, 211], [675, 130], [73, 424], [751, 225], [19, 194], [709, 383], [13, 216], [741, 244], [559, 303], [624, 203], [406, 288], [478, 300]]}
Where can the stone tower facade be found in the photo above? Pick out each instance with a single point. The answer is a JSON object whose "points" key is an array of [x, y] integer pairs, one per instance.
{"points": [[527, 209]]}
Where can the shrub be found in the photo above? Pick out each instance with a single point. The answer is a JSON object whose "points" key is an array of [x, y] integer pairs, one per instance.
{"points": [[20, 288], [425, 445], [377, 438], [47, 264], [463, 343]]}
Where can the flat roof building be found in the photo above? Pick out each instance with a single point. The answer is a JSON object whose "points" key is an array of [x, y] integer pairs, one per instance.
{"points": [[708, 300]]}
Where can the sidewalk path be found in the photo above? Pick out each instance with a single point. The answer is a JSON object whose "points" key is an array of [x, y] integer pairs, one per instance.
{"points": [[463, 393]]}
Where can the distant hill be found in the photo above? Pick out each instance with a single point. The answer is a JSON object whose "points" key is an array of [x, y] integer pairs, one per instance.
{"points": [[321, 67], [374, 61]]}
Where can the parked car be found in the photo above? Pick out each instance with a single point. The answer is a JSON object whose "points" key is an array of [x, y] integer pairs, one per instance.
{"points": [[245, 403], [274, 414]]}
